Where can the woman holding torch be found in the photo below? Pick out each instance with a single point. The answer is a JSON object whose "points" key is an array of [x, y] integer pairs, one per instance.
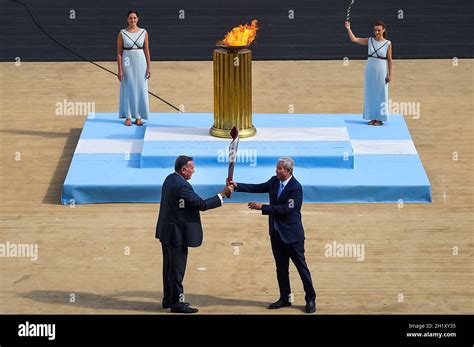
{"points": [[378, 73]]}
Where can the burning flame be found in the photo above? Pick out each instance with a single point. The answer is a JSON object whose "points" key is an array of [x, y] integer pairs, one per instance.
{"points": [[243, 35]]}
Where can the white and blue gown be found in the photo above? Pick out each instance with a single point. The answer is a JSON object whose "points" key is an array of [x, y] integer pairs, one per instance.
{"points": [[376, 89], [134, 85]]}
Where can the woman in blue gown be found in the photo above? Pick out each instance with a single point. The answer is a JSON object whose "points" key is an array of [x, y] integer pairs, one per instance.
{"points": [[133, 59], [378, 73]]}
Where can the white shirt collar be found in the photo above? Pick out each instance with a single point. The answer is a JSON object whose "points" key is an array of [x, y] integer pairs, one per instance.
{"points": [[285, 182]]}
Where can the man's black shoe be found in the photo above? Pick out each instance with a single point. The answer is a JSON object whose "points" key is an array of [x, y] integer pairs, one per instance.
{"points": [[182, 308], [168, 305], [310, 307], [279, 304]]}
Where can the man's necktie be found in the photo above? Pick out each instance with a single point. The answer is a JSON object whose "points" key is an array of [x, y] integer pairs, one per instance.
{"points": [[282, 186]]}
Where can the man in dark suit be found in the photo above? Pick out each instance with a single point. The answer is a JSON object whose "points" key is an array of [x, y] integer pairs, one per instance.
{"points": [[179, 227], [286, 229]]}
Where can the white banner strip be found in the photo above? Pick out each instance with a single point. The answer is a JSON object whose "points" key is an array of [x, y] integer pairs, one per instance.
{"points": [[135, 146], [109, 146], [263, 134], [383, 147]]}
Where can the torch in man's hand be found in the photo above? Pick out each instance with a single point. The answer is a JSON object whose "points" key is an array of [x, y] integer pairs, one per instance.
{"points": [[234, 133]]}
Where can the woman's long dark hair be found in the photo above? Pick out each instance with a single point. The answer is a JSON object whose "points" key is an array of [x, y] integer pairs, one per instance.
{"points": [[378, 23], [132, 11]]}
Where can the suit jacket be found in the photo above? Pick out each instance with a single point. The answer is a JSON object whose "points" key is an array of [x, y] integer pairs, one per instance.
{"points": [[284, 212], [179, 221]]}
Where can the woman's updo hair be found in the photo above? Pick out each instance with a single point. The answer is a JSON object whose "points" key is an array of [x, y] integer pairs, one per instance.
{"points": [[132, 11], [378, 23]]}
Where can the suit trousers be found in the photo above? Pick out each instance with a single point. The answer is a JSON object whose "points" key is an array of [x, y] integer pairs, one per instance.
{"points": [[174, 266], [283, 252]]}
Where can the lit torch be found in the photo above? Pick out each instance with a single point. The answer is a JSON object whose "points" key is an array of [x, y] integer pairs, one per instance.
{"points": [[234, 133]]}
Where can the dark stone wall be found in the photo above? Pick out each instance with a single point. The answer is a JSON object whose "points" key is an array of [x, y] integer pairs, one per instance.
{"points": [[429, 28]]}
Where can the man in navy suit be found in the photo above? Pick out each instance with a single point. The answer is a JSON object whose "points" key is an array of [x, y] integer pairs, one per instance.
{"points": [[286, 229], [179, 227]]}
